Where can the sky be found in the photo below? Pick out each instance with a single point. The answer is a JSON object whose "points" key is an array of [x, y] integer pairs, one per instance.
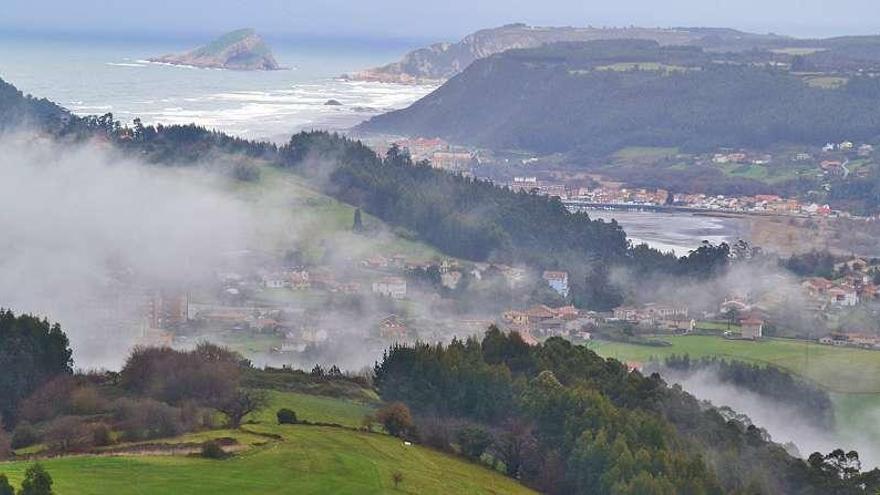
{"points": [[426, 20]]}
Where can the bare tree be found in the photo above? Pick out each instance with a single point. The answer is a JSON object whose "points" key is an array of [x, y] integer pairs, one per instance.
{"points": [[240, 404]]}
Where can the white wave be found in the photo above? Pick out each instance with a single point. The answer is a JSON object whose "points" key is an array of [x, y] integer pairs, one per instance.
{"points": [[126, 64]]}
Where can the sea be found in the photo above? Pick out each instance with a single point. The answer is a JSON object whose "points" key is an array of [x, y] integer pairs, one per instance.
{"points": [[93, 75]]}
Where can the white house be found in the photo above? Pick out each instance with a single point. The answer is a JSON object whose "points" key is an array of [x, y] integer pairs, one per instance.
{"points": [[276, 281], [558, 281], [393, 287]]}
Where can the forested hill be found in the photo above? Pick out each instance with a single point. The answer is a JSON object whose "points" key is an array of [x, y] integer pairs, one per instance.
{"points": [[598, 97], [569, 422], [18, 110], [441, 61]]}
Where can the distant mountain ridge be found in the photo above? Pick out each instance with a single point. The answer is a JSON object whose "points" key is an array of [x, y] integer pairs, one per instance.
{"points": [[597, 97], [242, 49], [442, 61]]}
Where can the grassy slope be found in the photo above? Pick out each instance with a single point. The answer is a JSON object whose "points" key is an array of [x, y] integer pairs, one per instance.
{"points": [[314, 408], [293, 214], [851, 375], [308, 460], [841, 370]]}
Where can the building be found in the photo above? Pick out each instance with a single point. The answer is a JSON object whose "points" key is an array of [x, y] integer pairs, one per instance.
{"points": [[451, 160], [393, 287], [557, 281], [392, 328], [843, 296], [752, 328], [275, 281], [166, 310]]}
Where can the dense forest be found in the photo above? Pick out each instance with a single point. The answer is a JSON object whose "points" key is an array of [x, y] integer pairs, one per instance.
{"points": [[562, 419], [595, 98]]}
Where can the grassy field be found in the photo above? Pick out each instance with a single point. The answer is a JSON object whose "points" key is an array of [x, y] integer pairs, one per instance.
{"points": [[839, 370], [852, 376], [643, 153], [307, 459], [315, 409], [293, 215]]}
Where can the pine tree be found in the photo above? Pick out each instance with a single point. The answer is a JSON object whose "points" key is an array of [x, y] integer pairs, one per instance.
{"points": [[5, 487], [36, 481], [358, 221]]}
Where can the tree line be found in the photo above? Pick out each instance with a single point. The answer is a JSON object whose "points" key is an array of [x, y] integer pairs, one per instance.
{"points": [[562, 419]]}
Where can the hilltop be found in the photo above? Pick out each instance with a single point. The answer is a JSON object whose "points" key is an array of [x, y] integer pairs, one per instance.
{"points": [[243, 49], [442, 61], [597, 97]]}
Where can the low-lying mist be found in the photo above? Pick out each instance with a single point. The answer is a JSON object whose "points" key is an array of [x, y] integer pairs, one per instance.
{"points": [[783, 422], [83, 230]]}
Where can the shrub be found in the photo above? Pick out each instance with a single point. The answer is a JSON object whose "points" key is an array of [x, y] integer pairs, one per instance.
{"points": [[86, 401], [207, 375], [473, 441], [396, 418], [36, 481], [68, 433], [49, 400], [286, 417], [212, 450], [24, 435], [144, 419], [436, 432], [101, 435], [5, 486]]}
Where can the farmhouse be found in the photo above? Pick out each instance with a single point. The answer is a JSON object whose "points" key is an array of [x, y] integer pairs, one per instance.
{"points": [[752, 328]]}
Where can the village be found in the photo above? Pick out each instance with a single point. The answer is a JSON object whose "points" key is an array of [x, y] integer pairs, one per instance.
{"points": [[381, 300], [831, 162]]}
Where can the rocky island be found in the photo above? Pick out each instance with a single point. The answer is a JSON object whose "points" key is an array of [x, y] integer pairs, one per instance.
{"points": [[242, 49]]}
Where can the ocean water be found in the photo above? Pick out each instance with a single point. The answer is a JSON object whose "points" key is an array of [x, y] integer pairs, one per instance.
{"points": [[96, 76]]}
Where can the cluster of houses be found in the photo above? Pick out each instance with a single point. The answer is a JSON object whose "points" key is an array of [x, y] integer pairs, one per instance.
{"points": [[761, 203], [542, 321], [852, 340], [855, 286], [656, 316], [863, 150], [741, 157], [439, 153]]}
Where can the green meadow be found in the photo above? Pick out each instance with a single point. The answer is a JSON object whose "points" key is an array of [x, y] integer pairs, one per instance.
{"points": [[294, 459]]}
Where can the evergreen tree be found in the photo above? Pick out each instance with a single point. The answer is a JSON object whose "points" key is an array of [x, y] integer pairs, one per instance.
{"points": [[358, 221], [5, 486], [36, 481]]}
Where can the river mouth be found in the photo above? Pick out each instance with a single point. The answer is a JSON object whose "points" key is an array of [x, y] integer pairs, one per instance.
{"points": [[673, 231]]}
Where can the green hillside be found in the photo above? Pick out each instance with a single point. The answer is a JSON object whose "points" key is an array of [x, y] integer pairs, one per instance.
{"points": [[563, 98], [851, 376], [306, 459]]}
